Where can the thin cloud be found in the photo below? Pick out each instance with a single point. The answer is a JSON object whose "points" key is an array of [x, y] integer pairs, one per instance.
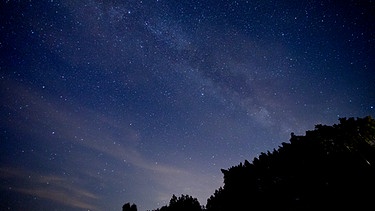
{"points": [[51, 187]]}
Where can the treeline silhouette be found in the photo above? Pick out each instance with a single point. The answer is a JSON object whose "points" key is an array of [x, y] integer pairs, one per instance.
{"points": [[331, 167]]}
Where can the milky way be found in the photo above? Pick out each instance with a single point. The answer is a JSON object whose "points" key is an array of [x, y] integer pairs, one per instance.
{"points": [[107, 102]]}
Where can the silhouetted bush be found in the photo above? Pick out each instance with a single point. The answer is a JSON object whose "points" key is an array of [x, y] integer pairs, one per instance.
{"points": [[128, 207], [182, 203]]}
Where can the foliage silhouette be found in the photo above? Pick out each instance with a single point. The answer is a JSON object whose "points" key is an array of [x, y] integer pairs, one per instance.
{"points": [[182, 203], [331, 167], [128, 207]]}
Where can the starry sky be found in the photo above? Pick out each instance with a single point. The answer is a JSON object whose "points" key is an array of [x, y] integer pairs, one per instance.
{"points": [[107, 102]]}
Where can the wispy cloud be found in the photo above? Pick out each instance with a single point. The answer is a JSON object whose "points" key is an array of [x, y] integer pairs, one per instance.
{"points": [[51, 187]]}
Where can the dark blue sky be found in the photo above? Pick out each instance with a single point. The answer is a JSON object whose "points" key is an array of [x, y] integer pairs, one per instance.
{"points": [[107, 102]]}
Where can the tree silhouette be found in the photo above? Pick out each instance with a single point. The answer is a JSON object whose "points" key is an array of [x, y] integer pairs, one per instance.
{"points": [[182, 203], [329, 167], [128, 207]]}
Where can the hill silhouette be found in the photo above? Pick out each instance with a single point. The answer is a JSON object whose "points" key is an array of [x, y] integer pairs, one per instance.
{"points": [[331, 167]]}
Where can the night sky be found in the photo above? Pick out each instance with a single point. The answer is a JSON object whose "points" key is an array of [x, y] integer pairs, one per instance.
{"points": [[107, 102]]}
